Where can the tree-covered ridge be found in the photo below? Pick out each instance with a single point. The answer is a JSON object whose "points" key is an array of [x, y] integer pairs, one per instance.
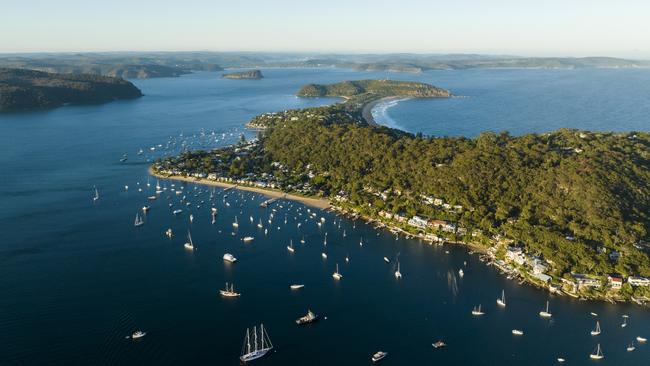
{"points": [[380, 88], [251, 75], [29, 89]]}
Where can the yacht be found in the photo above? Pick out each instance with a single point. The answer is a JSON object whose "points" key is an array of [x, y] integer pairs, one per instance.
{"points": [[145, 209], [336, 274], [248, 239], [256, 344], [235, 224], [378, 356], [324, 255], [630, 347], [560, 360], [96, 197], [641, 339], [191, 218], [398, 274], [176, 212], [152, 198], [138, 334], [138, 220], [439, 344], [310, 317], [477, 311], [259, 225], [596, 331], [169, 233], [545, 313], [229, 258], [624, 324], [229, 291], [598, 354], [502, 301], [296, 286], [302, 241], [189, 245], [386, 260], [361, 242], [517, 332], [461, 273]]}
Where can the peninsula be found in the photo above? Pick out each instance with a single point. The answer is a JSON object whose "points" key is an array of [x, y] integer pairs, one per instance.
{"points": [[26, 90], [251, 75], [568, 210]]}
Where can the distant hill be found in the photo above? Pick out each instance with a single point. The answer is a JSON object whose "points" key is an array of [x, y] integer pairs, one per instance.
{"points": [[251, 75], [380, 88], [25, 90]]}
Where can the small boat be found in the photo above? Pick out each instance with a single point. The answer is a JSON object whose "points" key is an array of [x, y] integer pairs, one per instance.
{"points": [[336, 274], [439, 344], [235, 224], [302, 241], [145, 209], [545, 313], [378, 356], [138, 334], [259, 225], [191, 218], [96, 197], [593, 314], [517, 332], [598, 354], [296, 287], [324, 255], [176, 212], [502, 301], [398, 274], [189, 245], [229, 258], [624, 324], [386, 260], [461, 273], [248, 239], [169, 233], [256, 345], [560, 360], [630, 347], [229, 291], [641, 339], [138, 220], [126, 188], [310, 317], [290, 247], [151, 198], [214, 210], [596, 330], [477, 311], [347, 259]]}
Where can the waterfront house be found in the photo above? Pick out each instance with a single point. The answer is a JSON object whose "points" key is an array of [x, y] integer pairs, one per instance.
{"points": [[638, 281], [615, 280], [418, 222]]}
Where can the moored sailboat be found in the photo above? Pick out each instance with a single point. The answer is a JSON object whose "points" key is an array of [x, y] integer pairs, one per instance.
{"points": [[229, 291], [545, 313], [502, 301], [598, 354], [256, 344], [337, 275], [596, 330], [190, 244]]}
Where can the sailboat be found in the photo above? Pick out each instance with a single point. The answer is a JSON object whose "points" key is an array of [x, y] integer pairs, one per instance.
{"points": [[477, 311], [324, 255], [189, 245], [624, 324], [235, 224], [96, 194], [596, 331], [630, 347], [256, 344], [229, 291], [311, 317], [598, 355], [398, 274], [545, 313], [259, 225], [361, 242], [290, 246], [302, 241], [336, 274], [502, 301], [138, 220]]}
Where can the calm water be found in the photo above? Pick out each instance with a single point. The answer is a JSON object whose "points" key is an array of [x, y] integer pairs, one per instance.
{"points": [[78, 277]]}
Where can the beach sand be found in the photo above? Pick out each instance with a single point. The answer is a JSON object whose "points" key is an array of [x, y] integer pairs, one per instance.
{"points": [[366, 112]]}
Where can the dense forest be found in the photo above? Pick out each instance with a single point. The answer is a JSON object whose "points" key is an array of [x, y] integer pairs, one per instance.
{"points": [[22, 90], [250, 75]]}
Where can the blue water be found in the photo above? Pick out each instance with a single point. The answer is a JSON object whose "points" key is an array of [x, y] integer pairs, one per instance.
{"points": [[77, 277]]}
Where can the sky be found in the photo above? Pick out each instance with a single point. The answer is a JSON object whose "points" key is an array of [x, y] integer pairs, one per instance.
{"points": [[619, 28]]}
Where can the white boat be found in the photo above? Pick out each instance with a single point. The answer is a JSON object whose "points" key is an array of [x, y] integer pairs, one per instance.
{"points": [[248, 239], [302, 241], [545, 313], [169, 233], [502, 301], [596, 331], [361, 242], [378, 356], [259, 225], [630, 347], [235, 224], [296, 287], [386, 260], [324, 255], [145, 209], [560, 360], [190, 244], [256, 344], [347, 259], [461, 273], [96, 197], [624, 324], [176, 212], [398, 274], [229, 258], [439, 344], [598, 354], [251, 218], [152, 198], [191, 218], [138, 220], [517, 332], [336, 274], [310, 317], [138, 334], [477, 311], [641, 339], [229, 291], [290, 247]]}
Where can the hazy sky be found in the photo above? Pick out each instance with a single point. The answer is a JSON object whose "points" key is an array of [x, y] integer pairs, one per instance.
{"points": [[523, 27]]}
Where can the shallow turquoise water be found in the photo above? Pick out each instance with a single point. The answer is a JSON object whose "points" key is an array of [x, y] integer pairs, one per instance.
{"points": [[77, 277]]}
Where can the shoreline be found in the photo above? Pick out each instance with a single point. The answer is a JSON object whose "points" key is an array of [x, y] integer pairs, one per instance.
{"points": [[309, 201], [366, 111]]}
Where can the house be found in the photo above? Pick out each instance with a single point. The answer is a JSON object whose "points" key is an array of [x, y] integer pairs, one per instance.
{"points": [[542, 277], [515, 254], [418, 222], [615, 280], [584, 281], [638, 281]]}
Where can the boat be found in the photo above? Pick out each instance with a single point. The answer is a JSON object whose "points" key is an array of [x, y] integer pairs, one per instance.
{"points": [[176, 212], [386, 260], [324, 255], [189, 245], [229, 258], [560, 360], [310, 317], [259, 225], [502, 301], [256, 344], [630, 347], [152, 198], [347, 259], [145, 209], [169, 233], [296, 287], [517, 332], [248, 239], [545, 313], [290, 247], [302, 241], [361, 242], [598, 355], [596, 330], [641, 339], [229, 291], [191, 218], [336, 274], [593, 314], [138, 334], [398, 274], [378, 356], [138, 220], [96, 197], [235, 224], [477, 311], [461, 273], [439, 344], [624, 324]]}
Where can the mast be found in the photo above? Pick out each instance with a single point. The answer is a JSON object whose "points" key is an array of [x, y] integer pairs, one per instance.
{"points": [[262, 334], [255, 338], [503, 296]]}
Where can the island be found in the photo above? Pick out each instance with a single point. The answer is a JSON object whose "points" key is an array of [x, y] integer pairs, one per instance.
{"points": [[568, 211], [250, 75], [27, 90]]}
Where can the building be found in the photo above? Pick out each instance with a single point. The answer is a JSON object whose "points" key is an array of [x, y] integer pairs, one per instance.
{"points": [[638, 281], [615, 280], [418, 222]]}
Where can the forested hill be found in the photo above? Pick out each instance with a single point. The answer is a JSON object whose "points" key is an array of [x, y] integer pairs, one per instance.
{"points": [[23, 90], [381, 88]]}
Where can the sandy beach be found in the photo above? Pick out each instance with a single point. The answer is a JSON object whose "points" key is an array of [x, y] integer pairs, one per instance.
{"points": [[366, 112], [309, 201]]}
